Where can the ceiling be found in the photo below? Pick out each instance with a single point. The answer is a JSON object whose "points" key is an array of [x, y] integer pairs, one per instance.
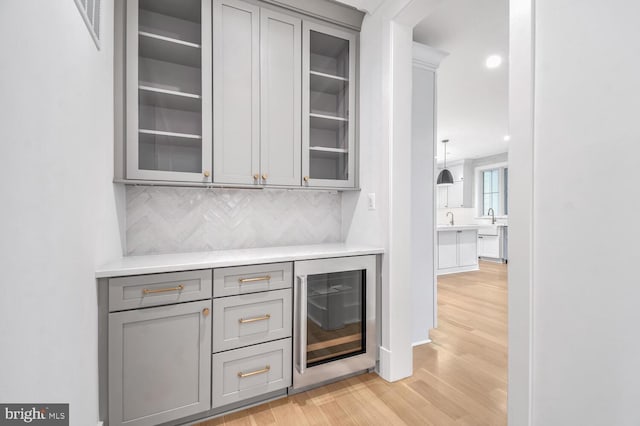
{"points": [[472, 99]]}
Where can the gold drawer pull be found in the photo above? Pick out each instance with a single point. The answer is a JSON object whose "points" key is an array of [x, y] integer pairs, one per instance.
{"points": [[253, 373], [163, 290], [253, 280], [248, 320]]}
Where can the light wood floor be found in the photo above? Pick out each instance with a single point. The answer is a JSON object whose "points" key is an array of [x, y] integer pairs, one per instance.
{"points": [[459, 379]]}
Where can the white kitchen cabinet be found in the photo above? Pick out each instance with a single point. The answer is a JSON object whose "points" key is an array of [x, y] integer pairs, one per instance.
{"points": [[467, 248], [168, 101], [442, 197], [460, 194], [457, 250], [447, 250], [492, 243], [455, 195], [328, 106]]}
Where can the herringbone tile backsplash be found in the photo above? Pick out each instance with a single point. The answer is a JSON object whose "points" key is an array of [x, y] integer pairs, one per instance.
{"points": [[174, 220]]}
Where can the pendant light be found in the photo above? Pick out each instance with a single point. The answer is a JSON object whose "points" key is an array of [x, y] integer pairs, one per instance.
{"points": [[445, 178]]}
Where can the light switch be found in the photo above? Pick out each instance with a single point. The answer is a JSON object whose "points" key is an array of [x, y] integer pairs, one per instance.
{"points": [[372, 200]]}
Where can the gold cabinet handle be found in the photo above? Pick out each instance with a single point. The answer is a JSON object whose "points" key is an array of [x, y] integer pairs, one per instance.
{"points": [[205, 312], [253, 373], [253, 280], [163, 290], [207, 173], [306, 178], [256, 176], [254, 319], [265, 176]]}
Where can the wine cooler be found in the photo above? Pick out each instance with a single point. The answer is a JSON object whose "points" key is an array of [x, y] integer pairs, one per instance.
{"points": [[334, 319]]}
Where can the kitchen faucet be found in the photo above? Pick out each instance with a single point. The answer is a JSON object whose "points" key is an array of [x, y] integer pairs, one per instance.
{"points": [[493, 215], [451, 221]]}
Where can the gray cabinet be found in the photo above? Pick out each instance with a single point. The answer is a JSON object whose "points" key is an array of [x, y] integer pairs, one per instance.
{"points": [[168, 98], [252, 371], [158, 289], [328, 106], [159, 363], [252, 278], [257, 87], [233, 92], [250, 319], [236, 85], [280, 97], [252, 327]]}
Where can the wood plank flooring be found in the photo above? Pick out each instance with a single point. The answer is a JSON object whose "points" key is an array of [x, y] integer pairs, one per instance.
{"points": [[459, 379]]}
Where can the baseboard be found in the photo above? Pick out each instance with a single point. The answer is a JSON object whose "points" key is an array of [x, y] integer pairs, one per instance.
{"points": [[385, 364], [458, 270], [422, 342]]}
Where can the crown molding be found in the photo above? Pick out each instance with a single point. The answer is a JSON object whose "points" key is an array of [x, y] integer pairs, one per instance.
{"points": [[427, 57]]}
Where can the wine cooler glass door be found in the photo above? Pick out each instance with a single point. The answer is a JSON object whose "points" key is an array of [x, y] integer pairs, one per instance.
{"points": [[335, 330]]}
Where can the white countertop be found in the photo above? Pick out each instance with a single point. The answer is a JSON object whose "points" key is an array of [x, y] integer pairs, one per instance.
{"points": [[457, 227], [137, 265]]}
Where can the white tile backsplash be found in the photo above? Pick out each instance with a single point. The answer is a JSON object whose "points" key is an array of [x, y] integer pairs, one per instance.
{"points": [[174, 219]]}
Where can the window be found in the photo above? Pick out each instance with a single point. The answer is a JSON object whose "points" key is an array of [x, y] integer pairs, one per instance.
{"points": [[90, 11], [492, 189]]}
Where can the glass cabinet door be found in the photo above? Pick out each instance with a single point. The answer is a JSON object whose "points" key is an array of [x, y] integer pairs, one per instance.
{"points": [[336, 317], [328, 107], [167, 52]]}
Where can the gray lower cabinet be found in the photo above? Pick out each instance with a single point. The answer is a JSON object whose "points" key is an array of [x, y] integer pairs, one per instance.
{"points": [[251, 371], [159, 363], [251, 318], [252, 279], [158, 289]]}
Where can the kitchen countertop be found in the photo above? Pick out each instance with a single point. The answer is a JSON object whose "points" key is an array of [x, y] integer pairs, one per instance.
{"points": [[152, 264], [458, 227]]}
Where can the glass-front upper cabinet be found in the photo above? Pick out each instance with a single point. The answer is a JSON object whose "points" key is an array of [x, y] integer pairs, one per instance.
{"points": [[168, 82], [328, 114]]}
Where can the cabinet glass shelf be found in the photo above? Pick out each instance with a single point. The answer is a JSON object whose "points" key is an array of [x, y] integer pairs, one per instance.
{"points": [[169, 39], [169, 153], [154, 96], [329, 54], [167, 49]]}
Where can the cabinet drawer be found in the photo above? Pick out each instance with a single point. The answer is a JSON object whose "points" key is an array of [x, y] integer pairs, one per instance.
{"points": [[251, 318], [158, 289], [251, 279], [248, 372]]}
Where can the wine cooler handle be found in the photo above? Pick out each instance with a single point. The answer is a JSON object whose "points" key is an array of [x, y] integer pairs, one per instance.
{"points": [[302, 323]]}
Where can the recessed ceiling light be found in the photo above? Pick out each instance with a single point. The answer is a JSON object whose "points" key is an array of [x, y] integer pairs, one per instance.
{"points": [[507, 138], [493, 61]]}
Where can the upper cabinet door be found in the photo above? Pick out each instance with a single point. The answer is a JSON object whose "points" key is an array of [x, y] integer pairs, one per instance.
{"points": [[328, 106], [236, 88], [169, 90], [280, 97]]}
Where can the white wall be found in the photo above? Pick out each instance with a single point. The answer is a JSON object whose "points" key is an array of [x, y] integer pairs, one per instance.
{"points": [[385, 160], [585, 295], [59, 209], [422, 198]]}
